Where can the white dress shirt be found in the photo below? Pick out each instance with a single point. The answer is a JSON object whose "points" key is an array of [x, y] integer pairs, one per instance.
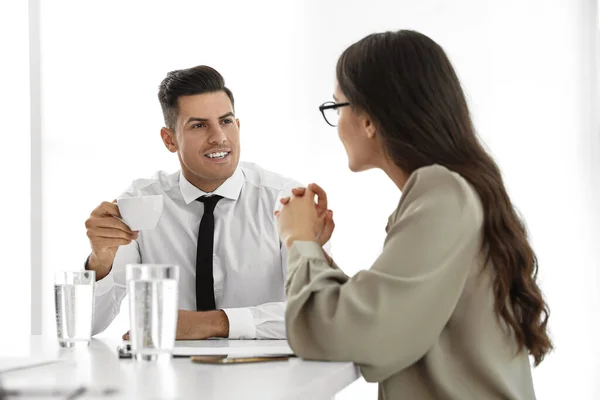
{"points": [[249, 261]]}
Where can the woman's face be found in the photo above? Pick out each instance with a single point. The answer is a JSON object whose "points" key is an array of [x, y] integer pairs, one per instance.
{"points": [[357, 133]]}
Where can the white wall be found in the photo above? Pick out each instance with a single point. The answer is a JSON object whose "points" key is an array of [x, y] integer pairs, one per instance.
{"points": [[15, 247], [524, 64]]}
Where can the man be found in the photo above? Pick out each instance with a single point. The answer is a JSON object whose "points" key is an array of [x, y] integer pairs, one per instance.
{"points": [[241, 286]]}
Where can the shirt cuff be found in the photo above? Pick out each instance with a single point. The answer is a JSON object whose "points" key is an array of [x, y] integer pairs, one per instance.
{"points": [[104, 285], [310, 250], [241, 323]]}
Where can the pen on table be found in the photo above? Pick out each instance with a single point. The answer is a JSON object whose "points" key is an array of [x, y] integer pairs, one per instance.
{"points": [[76, 393]]}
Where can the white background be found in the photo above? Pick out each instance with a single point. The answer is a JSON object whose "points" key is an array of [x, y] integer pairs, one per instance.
{"points": [[15, 206], [528, 67]]}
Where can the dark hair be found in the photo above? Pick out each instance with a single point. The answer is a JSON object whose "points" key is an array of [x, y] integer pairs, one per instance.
{"points": [[188, 82], [406, 84]]}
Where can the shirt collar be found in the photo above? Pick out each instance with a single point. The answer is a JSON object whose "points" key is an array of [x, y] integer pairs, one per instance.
{"points": [[230, 189]]}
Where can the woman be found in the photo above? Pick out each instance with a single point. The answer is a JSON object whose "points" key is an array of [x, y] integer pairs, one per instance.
{"points": [[451, 308]]}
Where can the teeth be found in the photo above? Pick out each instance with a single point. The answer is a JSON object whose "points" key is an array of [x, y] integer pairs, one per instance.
{"points": [[220, 154]]}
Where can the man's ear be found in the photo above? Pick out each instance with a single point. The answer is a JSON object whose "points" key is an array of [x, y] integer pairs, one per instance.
{"points": [[169, 139], [369, 126], [237, 120]]}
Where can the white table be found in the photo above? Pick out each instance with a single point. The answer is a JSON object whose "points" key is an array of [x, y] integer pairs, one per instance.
{"points": [[98, 367]]}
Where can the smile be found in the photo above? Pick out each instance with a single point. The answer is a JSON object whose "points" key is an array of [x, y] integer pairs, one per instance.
{"points": [[217, 155]]}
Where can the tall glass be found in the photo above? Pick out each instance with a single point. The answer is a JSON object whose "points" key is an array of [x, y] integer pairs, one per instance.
{"points": [[153, 299], [74, 301]]}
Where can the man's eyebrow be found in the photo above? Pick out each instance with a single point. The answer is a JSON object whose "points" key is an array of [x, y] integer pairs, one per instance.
{"points": [[229, 114], [199, 119], [335, 98]]}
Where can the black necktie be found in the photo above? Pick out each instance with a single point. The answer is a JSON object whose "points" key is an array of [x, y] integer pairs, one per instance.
{"points": [[205, 292]]}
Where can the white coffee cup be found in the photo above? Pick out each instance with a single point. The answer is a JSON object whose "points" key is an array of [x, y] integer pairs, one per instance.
{"points": [[140, 213]]}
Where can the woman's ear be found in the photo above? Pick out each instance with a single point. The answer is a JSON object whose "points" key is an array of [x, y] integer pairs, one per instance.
{"points": [[169, 139], [369, 127]]}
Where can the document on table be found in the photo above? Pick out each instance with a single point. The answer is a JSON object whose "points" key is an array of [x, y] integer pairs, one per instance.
{"points": [[246, 348], [231, 348]]}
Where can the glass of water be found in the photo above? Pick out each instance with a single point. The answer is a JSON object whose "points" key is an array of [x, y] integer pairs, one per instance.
{"points": [[74, 301], [153, 299]]}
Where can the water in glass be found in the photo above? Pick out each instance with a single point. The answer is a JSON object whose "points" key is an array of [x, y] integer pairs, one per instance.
{"points": [[74, 301], [153, 312]]}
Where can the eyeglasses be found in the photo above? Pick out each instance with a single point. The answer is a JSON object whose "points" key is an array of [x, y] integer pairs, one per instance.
{"points": [[331, 112]]}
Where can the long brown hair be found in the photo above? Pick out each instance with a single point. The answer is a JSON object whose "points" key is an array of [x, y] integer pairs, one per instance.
{"points": [[405, 82]]}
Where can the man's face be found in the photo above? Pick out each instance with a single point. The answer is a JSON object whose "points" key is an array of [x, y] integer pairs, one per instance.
{"points": [[207, 139]]}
